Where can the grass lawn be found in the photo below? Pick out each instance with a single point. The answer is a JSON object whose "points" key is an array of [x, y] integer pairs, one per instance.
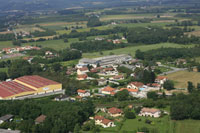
{"points": [[182, 77], [5, 44], [4, 69], [159, 125], [69, 63], [131, 50]]}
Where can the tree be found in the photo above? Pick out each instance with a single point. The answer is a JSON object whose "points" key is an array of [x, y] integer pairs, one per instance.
{"points": [[139, 54], [129, 114], [152, 95], [16, 43], [198, 86], [3, 76], [169, 85], [77, 128], [56, 67], [190, 87], [122, 95]]}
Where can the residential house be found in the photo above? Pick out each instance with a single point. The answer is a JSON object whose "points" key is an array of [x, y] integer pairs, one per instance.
{"points": [[161, 80], [117, 41], [108, 90], [82, 77], [115, 112], [48, 53], [83, 93], [105, 123], [117, 77], [150, 112], [135, 85], [40, 119], [83, 70], [6, 118]]}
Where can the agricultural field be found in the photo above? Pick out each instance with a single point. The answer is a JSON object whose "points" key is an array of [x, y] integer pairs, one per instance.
{"points": [[132, 50], [182, 77], [126, 16]]}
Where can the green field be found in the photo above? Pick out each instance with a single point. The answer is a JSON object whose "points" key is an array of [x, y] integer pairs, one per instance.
{"points": [[159, 125], [132, 50]]}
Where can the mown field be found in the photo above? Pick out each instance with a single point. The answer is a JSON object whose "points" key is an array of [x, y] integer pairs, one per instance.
{"points": [[182, 77], [132, 50]]}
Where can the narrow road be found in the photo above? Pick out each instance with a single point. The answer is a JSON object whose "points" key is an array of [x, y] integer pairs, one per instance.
{"points": [[174, 69]]}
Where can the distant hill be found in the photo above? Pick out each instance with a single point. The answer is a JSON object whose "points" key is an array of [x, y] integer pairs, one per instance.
{"points": [[32, 5]]}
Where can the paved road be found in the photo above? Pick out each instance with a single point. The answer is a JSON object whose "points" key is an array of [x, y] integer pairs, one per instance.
{"points": [[174, 69]]}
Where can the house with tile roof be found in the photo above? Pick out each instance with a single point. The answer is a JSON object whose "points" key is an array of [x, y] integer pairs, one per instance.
{"points": [[132, 92], [83, 70], [151, 112], [135, 85], [105, 123], [82, 77], [115, 112], [108, 90], [83, 93], [161, 80], [40, 119]]}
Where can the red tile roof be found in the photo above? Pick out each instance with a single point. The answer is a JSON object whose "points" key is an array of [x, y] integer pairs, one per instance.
{"points": [[99, 117], [109, 69], [81, 91], [109, 89], [129, 90], [161, 77], [106, 121], [36, 81], [137, 84], [150, 110], [84, 76], [12, 88], [114, 110]]}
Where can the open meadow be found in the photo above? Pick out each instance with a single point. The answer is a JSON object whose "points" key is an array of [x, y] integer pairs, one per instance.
{"points": [[182, 77]]}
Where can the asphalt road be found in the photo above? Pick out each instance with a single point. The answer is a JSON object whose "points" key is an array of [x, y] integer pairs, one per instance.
{"points": [[174, 69]]}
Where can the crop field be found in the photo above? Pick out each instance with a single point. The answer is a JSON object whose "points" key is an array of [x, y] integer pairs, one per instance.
{"points": [[125, 16], [182, 77], [5, 44], [132, 50], [195, 33], [132, 25]]}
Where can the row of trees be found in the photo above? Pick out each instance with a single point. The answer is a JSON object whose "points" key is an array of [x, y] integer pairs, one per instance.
{"points": [[7, 37], [163, 53], [153, 35]]}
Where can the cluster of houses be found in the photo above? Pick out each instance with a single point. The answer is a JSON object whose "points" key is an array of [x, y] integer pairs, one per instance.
{"points": [[114, 41], [19, 49], [106, 69]]}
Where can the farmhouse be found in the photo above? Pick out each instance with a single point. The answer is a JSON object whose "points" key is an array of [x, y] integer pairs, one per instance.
{"points": [[6, 118], [62, 97], [115, 112], [135, 85], [150, 112], [27, 86], [83, 93]]}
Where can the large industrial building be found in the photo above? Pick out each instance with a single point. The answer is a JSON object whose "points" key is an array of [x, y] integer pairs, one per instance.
{"points": [[106, 60], [27, 86]]}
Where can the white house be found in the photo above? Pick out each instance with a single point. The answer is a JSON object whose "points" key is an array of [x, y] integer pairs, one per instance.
{"points": [[83, 93], [150, 112], [100, 120], [115, 112], [108, 90], [135, 85], [161, 80]]}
